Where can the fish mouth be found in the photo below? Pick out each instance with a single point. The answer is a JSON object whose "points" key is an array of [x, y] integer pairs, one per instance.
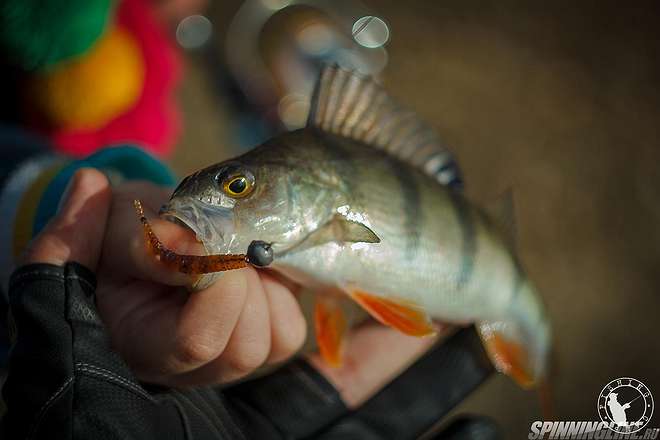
{"points": [[169, 214], [209, 226], [174, 218]]}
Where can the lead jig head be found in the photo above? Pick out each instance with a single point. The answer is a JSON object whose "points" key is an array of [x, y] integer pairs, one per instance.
{"points": [[260, 253]]}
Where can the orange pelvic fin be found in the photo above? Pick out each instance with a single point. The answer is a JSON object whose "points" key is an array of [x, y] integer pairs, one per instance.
{"points": [[405, 316], [509, 357], [330, 326]]}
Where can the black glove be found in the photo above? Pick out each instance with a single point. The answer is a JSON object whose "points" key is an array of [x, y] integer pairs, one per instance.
{"points": [[65, 382]]}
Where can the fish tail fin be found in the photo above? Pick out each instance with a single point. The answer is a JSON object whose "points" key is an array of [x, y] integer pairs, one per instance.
{"points": [[519, 346]]}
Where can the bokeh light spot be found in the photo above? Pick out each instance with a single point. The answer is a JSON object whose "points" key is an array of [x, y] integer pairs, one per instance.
{"points": [[193, 31], [370, 31]]}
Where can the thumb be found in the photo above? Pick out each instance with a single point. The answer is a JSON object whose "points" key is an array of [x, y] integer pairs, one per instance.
{"points": [[76, 232], [125, 253]]}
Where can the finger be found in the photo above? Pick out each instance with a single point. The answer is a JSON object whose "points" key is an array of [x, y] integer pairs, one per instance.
{"points": [[209, 318], [143, 262], [277, 277], [248, 346], [374, 355], [76, 232], [181, 338], [288, 328], [126, 253]]}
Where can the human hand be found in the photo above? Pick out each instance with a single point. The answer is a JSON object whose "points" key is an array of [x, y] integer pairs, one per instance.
{"points": [[170, 336], [165, 334]]}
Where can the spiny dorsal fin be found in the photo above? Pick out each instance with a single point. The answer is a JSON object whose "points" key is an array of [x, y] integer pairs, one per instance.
{"points": [[354, 106]]}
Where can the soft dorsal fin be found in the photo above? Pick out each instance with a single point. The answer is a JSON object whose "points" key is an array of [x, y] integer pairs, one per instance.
{"points": [[354, 106]]}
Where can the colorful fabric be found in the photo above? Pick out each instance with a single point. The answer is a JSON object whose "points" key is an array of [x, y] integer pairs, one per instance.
{"points": [[129, 162], [37, 34], [154, 121], [90, 91], [18, 203]]}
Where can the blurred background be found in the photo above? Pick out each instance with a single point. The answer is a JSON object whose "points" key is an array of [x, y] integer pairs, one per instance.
{"points": [[559, 101]]}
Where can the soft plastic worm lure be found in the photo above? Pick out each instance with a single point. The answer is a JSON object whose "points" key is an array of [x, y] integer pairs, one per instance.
{"points": [[189, 264]]}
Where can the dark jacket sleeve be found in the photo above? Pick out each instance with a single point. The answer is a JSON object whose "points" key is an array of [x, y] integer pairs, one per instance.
{"points": [[65, 382]]}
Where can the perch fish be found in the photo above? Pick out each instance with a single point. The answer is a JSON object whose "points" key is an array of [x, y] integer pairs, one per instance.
{"points": [[365, 203]]}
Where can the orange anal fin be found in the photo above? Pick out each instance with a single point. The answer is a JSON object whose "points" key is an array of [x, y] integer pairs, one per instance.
{"points": [[405, 316], [509, 358], [330, 326]]}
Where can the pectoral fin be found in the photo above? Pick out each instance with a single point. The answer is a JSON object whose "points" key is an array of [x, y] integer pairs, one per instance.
{"points": [[403, 315], [338, 229], [353, 232], [341, 229], [330, 326]]}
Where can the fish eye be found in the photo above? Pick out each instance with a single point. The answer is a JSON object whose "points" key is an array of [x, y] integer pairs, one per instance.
{"points": [[238, 186]]}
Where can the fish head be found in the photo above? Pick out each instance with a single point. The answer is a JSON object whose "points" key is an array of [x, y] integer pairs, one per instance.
{"points": [[230, 204]]}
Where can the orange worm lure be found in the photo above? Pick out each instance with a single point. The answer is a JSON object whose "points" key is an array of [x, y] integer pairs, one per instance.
{"points": [[188, 264]]}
